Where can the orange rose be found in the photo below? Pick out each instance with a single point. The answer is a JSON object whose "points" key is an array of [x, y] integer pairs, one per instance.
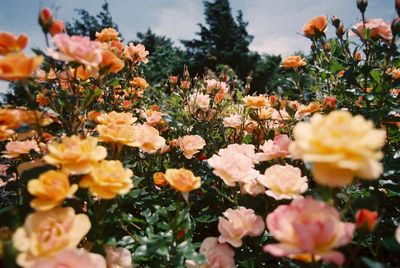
{"points": [[159, 179], [139, 82], [182, 179], [366, 218], [57, 27], [255, 102], [11, 43], [293, 62], [315, 26], [107, 34], [18, 66], [111, 62]]}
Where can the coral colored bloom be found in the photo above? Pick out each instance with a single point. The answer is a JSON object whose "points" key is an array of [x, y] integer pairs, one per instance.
{"points": [[111, 62], [315, 26], [256, 102], [57, 27], [329, 102], [136, 53], [182, 179], [284, 182], [190, 145], [340, 146], [45, 233], [148, 139], [75, 155], [108, 179], [11, 43], [238, 223], [366, 218], [107, 35], [217, 255], [308, 227], [159, 179], [118, 257], [72, 258], [77, 49], [139, 82], [16, 149], [115, 118], [50, 190], [378, 28], [276, 148], [17, 66], [293, 62], [234, 121]]}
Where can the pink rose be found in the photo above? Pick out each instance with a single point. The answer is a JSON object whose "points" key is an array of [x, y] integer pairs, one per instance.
{"points": [[246, 149], [118, 257], [136, 53], [237, 224], [77, 49], [234, 121], [276, 148], [252, 187], [378, 28], [308, 227], [284, 182], [190, 145], [17, 148], [71, 258]]}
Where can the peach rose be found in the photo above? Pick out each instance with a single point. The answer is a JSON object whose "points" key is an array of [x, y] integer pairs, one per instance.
{"points": [[17, 66], [45, 233], [214, 86], [252, 187], [238, 223], [232, 166], [148, 139], [199, 101], [234, 121], [139, 82], [114, 117], [315, 26], [246, 149], [308, 227], [11, 43], [182, 179], [284, 182], [340, 146], [75, 155], [16, 149], [293, 62], [108, 179], [111, 62], [217, 255], [256, 102], [191, 145], [123, 134], [378, 28], [153, 118], [118, 257], [107, 35], [136, 53], [72, 258], [305, 110], [276, 148], [50, 190], [77, 49]]}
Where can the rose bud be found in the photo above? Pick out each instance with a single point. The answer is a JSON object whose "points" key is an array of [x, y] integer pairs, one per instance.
{"points": [[329, 102], [362, 5], [366, 218], [57, 27], [45, 18]]}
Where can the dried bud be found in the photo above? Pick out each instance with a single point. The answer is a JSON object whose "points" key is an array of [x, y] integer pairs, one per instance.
{"points": [[335, 21], [340, 31], [362, 5], [396, 26]]}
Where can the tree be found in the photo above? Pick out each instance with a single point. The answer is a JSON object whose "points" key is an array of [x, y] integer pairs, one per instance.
{"points": [[223, 41], [88, 24]]}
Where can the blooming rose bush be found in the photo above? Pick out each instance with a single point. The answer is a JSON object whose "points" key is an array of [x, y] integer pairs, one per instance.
{"points": [[100, 168]]}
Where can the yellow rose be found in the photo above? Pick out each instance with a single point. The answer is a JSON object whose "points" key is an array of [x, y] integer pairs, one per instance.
{"points": [[50, 190], [75, 155], [340, 146], [256, 102], [182, 179], [108, 179], [116, 118], [115, 133], [45, 233]]}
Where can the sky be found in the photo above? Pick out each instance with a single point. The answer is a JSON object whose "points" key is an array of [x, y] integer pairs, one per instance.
{"points": [[275, 24]]}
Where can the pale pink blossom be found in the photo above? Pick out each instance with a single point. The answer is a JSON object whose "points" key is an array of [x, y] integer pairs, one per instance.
{"points": [[18, 148], [71, 258], [148, 138], [284, 182], [252, 187], [77, 49], [234, 121], [276, 148], [378, 28], [238, 223], [191, 145], [217, 255], [246, 149], [153, 117], [308, 227], [214, 85], [118, 257], [199, 101], [136, 53]]}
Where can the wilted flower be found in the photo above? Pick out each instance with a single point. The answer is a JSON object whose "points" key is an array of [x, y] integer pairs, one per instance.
{"points": [[190, 145], [17, 66], [11, 43], [284, 182], [315, 26], [182, 180], [50, 190], [47, 232], [18, 148], [238, 223], [71, 258], [340, 146], [276, 148], [118, 257], [75, 155], [308, 227], [293, 62], [108, 179]]}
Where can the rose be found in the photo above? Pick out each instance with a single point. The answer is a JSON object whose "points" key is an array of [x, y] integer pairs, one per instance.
{"points": [[182, 179], [293, 62], [190, 145]]}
